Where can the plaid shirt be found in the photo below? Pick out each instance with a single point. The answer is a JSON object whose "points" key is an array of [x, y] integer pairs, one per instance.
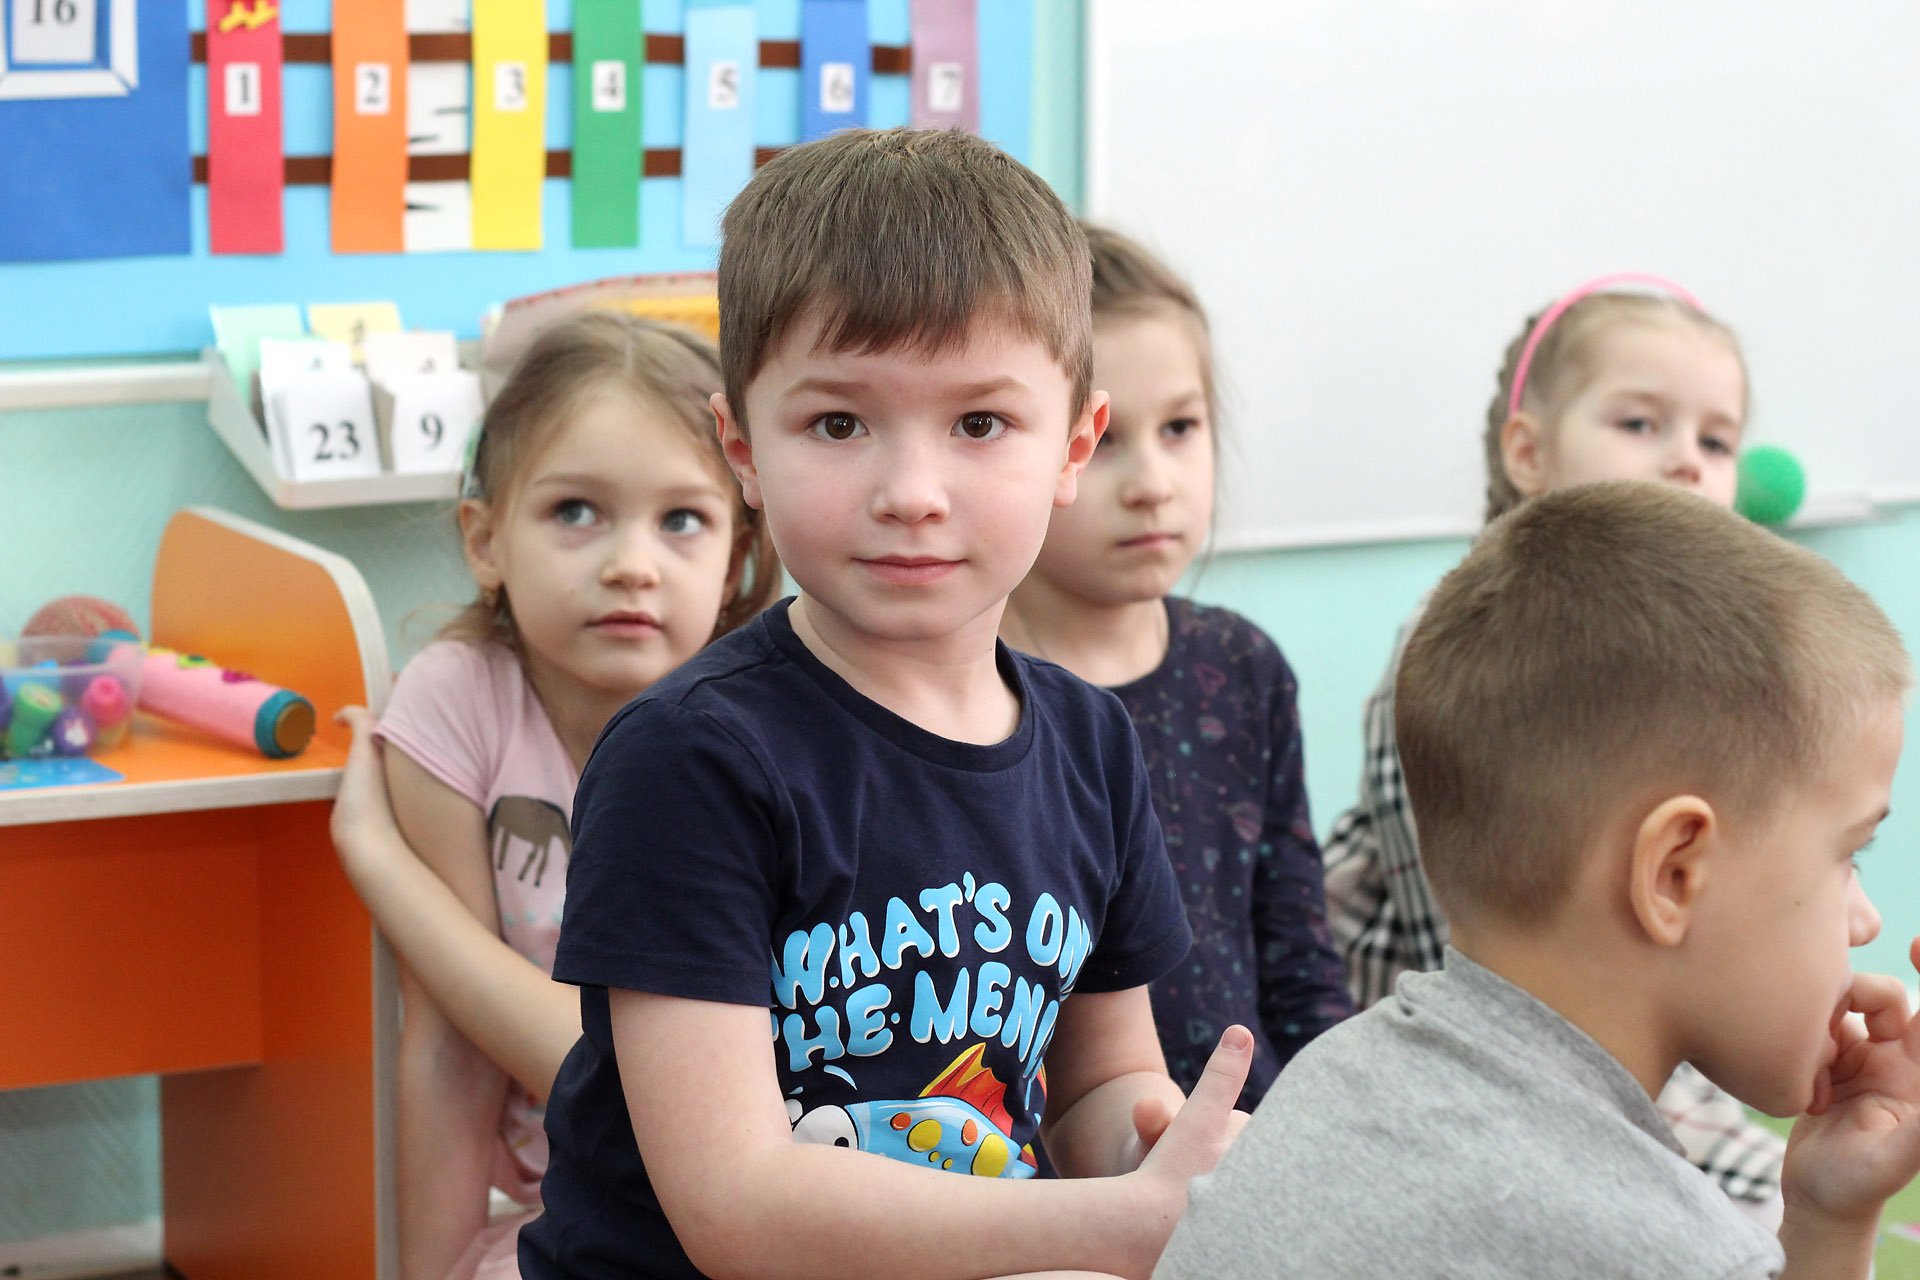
{"points": [[1386, 922]]}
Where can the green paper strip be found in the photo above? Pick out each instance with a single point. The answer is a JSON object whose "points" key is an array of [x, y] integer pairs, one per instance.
{"points": [[607, 46]]}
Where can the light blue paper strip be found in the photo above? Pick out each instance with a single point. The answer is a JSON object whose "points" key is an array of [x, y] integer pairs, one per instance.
{"points": [[1006, 76], [716, 157], [836, 67]]}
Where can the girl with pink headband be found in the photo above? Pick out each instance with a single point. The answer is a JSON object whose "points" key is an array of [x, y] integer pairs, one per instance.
{"points": [[1624, 377]]}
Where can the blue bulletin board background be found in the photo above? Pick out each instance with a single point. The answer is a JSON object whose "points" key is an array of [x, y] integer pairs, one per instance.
{"points": [[126, 306]]}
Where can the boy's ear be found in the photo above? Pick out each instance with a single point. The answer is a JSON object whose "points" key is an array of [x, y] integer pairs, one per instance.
{"points": [[1522, 441], [737, 448], [1669, 867], [476, 541], [1081, 441]]}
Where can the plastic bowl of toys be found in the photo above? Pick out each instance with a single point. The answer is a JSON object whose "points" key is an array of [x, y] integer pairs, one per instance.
{"points": [[66, 695]]}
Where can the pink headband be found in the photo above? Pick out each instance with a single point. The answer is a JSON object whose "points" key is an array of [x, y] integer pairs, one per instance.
{"points": [[1599, 284]]}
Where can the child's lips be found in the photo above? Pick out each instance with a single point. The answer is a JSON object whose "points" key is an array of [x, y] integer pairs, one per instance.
{"points": [[627, 623], [1155, 541], [910, 571]]}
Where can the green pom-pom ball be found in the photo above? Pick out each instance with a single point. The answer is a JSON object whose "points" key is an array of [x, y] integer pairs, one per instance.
{"points": [[1772, 485]]}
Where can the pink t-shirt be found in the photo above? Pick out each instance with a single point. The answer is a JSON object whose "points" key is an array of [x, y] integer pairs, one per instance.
{"points": [[467, 714]]}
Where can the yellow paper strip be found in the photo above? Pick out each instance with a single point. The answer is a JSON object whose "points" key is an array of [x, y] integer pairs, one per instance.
{"points": [[351, 322], [509, 122]]}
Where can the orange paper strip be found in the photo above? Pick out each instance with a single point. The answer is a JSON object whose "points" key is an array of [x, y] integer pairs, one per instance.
{"points": [[369, 127]]}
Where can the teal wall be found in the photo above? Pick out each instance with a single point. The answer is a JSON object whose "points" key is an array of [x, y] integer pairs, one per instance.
{"points": [[88, 491]]}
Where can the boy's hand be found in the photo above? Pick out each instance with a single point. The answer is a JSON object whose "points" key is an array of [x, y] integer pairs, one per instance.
{"points": [[362, 825], [1185, 1145], [1860, 1140]]}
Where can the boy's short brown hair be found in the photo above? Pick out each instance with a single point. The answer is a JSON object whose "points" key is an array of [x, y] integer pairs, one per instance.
{"points": [[900, 238], [1615, 644]]}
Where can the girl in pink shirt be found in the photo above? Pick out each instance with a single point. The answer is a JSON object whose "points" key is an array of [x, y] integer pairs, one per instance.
{"points": [[609, 543]]}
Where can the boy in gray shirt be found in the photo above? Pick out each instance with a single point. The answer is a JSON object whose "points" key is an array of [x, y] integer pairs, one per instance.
{"points": [[1645, 740]]}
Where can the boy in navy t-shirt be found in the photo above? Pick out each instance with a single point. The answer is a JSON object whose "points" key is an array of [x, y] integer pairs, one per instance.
{"points": [[846, 880]]}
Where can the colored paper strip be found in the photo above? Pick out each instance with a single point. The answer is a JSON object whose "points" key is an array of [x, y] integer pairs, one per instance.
{"points": [[1006, 79], [509, 122], [836, 64], [716, 158], [94, 156], [246, 169], [369, 128], [606, 123], [946, 65]]}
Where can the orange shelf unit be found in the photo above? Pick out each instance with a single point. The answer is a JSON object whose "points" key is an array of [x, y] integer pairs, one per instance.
{"points": [[192, 921]]}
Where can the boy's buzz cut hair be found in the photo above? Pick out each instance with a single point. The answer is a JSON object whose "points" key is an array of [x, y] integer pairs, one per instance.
{"points": [[901, 238], [1617, 644]]}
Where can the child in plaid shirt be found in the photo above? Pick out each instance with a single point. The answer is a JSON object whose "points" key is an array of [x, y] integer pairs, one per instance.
{"points": [[1604, 384]]}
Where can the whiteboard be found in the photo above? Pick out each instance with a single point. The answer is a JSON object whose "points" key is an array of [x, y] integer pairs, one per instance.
{"points": [[1371, 197]]}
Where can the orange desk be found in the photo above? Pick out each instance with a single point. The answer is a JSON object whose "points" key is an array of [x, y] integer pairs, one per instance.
{"points": [[192, 921]]}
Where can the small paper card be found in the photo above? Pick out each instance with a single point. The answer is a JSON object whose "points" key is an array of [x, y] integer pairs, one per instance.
{"points": [[351, 322], [239, 331], [395, 355], [425, 419], [285, 360], [324, 427], [281, 360]]}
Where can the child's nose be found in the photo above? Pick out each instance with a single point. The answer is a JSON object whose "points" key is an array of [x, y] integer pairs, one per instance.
{"points": [[1863, 920], [911, 487], [1684, 458], [633, 561], [1149, 482]]}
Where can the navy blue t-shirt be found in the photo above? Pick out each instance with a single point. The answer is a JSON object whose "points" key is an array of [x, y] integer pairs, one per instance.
{"points": [[921, 905]]}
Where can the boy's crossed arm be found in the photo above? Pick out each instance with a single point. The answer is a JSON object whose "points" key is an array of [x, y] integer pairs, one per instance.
{"points": [[1859, 1142], [746, 1200]]}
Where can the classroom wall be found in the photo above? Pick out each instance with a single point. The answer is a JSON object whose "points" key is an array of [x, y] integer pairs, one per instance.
{"points": [[88, 491]]}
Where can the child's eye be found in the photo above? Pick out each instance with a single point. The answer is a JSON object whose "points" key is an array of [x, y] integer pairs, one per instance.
{"points": [[1179, 428], [1718, 445], [574, 512], [837, 426], [684, 520], [980, 426], [1636, 426]]}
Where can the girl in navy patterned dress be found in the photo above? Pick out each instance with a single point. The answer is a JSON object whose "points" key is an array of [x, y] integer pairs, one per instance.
{"points": [[1211, 697]]}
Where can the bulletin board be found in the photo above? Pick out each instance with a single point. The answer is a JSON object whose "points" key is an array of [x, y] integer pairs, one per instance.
{"points": [[157, 300], [1371, 198]]}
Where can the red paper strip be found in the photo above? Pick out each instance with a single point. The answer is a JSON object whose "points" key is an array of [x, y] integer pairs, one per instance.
{"points": [[245, 169]]}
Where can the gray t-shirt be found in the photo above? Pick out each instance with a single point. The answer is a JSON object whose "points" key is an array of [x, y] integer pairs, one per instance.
{"points": [[1460, 1129]]}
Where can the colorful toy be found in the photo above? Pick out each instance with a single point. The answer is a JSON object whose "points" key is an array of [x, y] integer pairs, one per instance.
{"points": [[106, 702], [72, 733], [35, 707], [87, 616], [1771, 486], [232, 705]]}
